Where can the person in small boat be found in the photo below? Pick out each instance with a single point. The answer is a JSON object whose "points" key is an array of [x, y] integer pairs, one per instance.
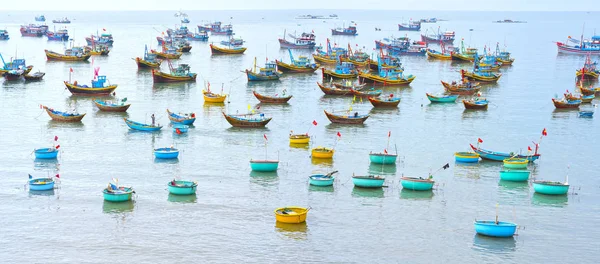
{"points": [[355, 114], [153, 119]]}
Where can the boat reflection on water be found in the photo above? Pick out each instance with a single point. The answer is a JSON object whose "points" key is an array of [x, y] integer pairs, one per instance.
{"points": [[416, 195], [166, 161], [292, 231], [512, 185], [323, 163], [313, 188], [41, 193], [368, 192], [45, 164], [116, 208], [467, 170], [78, 126], [264, 178], [299, 146], [549, 200], [380, 169], [182, 198], [495, 245]]}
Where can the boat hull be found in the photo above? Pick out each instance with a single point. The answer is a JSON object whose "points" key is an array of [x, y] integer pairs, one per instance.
{"points": [[367, 181], [333, 90], [177, 119], [514, 175], [377, 80], [166, 153], [348, 120], [143, 64], [284, 44], [63, 118], [78, 90], [322, 153], [60, 57], [299, 139], [182, 188], [46, 153], [111, 108], [550, 188], [327, 74], [442, 99], [284, 67], [466, 157], [41, 184], [472, 105], [180, 128], [271, 99], [264, 165], [139, 126], [566, 105], [161, 77], [490, 228], [118, 197], [500, 156], [565, 49], [237, 122], [218, 50], [298, 216], [416, 184], [382, 158], [321, 180], [377, 103], [513, 163]]}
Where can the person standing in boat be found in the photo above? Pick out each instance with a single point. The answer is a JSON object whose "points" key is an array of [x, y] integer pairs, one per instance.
{"points": [[152, 116]]}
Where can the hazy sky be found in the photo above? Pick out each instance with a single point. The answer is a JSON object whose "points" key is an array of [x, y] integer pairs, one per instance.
{"points": [[487, 5]]}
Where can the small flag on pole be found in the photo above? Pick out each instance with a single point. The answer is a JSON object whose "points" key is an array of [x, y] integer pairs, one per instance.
{"points": [[385, 151], [446, 166], [339, 134], [529, 148], [30, 177], [55, 138], [480, 140], [57, 147], [70, 69], [314, 122], [544, 132], [265, 136], [58, 175], [389, 133]]}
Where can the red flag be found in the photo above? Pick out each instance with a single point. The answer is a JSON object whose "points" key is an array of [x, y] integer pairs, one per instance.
{"points": [[339, 134], [55, 138], [70, 69], [57, 147], [389, 133], [385, 151], [265, 136], [177, 131], [544, 133], [315, 122], [257, 107], [480, 140], [57, 176], [104, 29], [529, 148]]}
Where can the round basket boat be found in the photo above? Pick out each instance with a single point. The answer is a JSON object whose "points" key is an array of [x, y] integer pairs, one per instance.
{"points": [[495, 229], [182, 187], [466, 157], [291, 214]]}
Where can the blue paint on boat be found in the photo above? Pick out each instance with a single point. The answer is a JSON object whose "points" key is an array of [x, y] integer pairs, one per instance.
{"points": [[514, 175], [264, 165], [321, 180], [140, 126], [41, 184], [166, 153], [46, 153], [501, 156], [493, 229], [383, 158], [182, 187], [182, 128], [368, 181], [466, 157], [181, 119]]}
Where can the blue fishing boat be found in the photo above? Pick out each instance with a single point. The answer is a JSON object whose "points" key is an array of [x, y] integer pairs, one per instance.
{"points": [[580, 47], [59, 35], [14, 65], [104, 39], [550, 187], [500, 156], [41, 184], [349, 31], [236, 42], [417, 184], [466, 157], [40, 18], [180, 129], [199, 36], [387, 76], [514, 175], [586, 113], [371, 181], [142, 127], [441, 98], [4, 34], [495, 228], [116, 194], [182, 187], [301, 64], [343, 70], [268, 73], [411, 26], [184, 119], [166, 153], [46, 153], [322, 179], [264, 165]]}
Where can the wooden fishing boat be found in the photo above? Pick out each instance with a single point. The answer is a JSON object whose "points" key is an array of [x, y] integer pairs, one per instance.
{"points": [[462, 88], [304, 41], [264, 165], [291, 214], [272, 99], [59, 35], [416, 184], [184, 48], [226, 50], [344, 70], [387, 76], [300, 65], [466, 157], [434, 54], [349, 31], [366, 92], [584, 99], [116, 194], [495, 228], [322, 179], [148, 61], [439, 37], [210, 97], [371, 181], [482, 76], [441, 99], [180, 74], [550, 187], [142, 127], [63, 116], [166, 153], [46, 153], [514, 175], [566, 104], [247, 120], [183, 119], [322, 153], [167, 53], [334, 90], [99, 87], [500, 156], [72, 54], [182, 187], [479, 103], [36, 76], [516, 163], [325, 59], [109, 106], [41, 184], [411, 26], [346, 119], [347, 84], [15, 64], [587, 91], [13, 75], [100, 39], [589, 69], [268, 73], [385, 102], [503, 56], [97, 50]]}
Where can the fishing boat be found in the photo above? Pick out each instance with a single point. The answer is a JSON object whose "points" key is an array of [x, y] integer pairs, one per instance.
{"points": [[4, 35], [283, 99], [167, 53], [503, 56], [514, 175], [59, 35], [466, 157], [417, 184], [580, 47], [332, 90], [180, 74], [410, 26], [482, 76], [402, 46], [386, 76], [588, 69], [299, 138], [442, 98], [97, 50], [268, 73], [487, 63], [366, 92], [63, 116], [464, 87], [300, 65], [291, 214], [322, 179], [217, 28], [103, 39], [63, 20], [72, 54], [476, 103], [41, 184], [198, 36], [444, 37], [349, 31], [566, 104], [115, 194], [371, 181], [495, 228], [180, 129], [583, 98], [142, 127], [588, 91], [148, 61], [501, 156], [386, 61], [434, 54], [112, 106], [99, 86], [13, 75], [247, 120], [264, 165], [304, 41], [343, 70], [182, 187], [331, 55], [515, 163], [347, 118], [226, 50], [322, 153], [40, 18], [358, 58], [550, 187], [32, 30], [385, 101], [464, 54], [348, 84], [232, 42], [166, 153], [46, 153], [184, 119], [15, 64]]}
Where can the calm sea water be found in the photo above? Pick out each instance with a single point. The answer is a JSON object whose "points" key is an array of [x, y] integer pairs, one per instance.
{"points": [[231, 217]]}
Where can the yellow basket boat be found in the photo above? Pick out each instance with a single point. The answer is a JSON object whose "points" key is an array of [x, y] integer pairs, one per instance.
{"points": [[210, 97], [299, 139], [322, 153], [291, 214]]}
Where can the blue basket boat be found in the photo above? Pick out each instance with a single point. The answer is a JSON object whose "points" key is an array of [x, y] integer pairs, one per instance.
{"points": [[118, 194], [322, 179], [495, 228], [180, 129], [383, 158], [41, 184], [182, 187], [466, 157], [46, 153], [140, 126], [550, 187], [166, 153], [417, 184], [514, 175], [264, 165], [370, 181]]}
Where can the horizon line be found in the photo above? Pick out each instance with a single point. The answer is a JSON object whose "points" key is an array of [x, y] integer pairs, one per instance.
{"points": [[289, 9]]}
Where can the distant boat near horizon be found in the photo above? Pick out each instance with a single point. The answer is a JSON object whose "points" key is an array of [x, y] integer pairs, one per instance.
{"points": [[508, 21]]}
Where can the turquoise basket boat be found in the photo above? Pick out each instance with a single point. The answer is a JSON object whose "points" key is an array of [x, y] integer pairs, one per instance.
{"points": [[495, 229], [368, 181], [264, 165], [442, 99], [466, 157], [182, 128], [321, 180], [383, 158], [416, 184], [41, 184], [46, 153], [182, 187], [516, 163], [121, 194], [166, 153], [550, 187], [514, 175]]}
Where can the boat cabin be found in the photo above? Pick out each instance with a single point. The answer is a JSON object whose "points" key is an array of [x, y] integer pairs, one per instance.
{"points": [[99, 82]]}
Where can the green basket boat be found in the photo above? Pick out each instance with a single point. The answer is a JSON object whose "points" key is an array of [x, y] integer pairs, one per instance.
{"points": [[182, 187], [514, 175], [516, 163], [550, 187], [416, 184], [120, 194]]}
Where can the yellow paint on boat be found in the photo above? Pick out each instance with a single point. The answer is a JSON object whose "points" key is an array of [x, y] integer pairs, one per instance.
{"points": [[322, 153], [291, 214]]}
